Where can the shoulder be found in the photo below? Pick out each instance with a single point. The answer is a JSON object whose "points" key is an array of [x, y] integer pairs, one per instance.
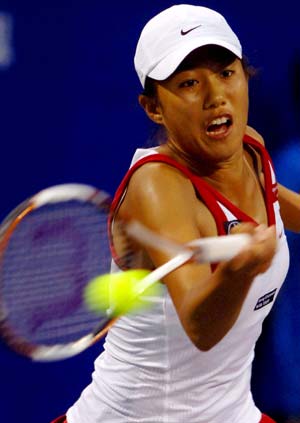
{"points": [[163, 198], [254, 134], [156, 181]]}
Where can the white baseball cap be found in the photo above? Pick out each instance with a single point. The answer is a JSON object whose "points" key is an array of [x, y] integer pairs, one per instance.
{"points": [[174, 33]]}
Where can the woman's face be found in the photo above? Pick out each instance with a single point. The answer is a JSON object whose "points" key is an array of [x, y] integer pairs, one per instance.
{"points": [[204, 104]]}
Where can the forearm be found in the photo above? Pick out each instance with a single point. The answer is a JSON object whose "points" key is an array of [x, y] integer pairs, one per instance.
{"points": [[289, 208]]}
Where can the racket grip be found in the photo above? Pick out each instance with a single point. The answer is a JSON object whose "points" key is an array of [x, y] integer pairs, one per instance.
{"points": [[220, 248]]}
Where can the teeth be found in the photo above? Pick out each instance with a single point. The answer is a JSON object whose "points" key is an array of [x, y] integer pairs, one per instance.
{"points": [[219, 121]]}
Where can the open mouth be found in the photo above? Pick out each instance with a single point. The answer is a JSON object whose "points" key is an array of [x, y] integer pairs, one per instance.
{"points": [[219, 126]]}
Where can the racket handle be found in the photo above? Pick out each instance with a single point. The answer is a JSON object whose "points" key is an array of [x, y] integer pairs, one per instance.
{"points": [[203, 250], [206, 250], [219, 248]]}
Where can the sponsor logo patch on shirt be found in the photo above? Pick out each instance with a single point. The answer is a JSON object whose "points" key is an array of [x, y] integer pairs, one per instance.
{"points": [[265, 299]]}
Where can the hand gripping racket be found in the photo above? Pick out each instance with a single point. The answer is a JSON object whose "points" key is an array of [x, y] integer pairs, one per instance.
{"points": [[51, 246]]}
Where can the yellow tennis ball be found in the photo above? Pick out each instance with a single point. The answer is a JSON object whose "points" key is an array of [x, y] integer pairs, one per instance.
{"points": [[118, 292]]}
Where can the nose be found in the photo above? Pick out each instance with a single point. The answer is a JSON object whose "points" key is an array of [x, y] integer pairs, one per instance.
{"points": [[215, 96]]}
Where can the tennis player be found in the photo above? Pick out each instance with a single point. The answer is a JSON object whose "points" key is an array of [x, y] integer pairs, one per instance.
{"points": [[189, 358]]}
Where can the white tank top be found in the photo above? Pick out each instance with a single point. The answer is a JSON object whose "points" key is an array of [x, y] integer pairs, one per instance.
{"points": [[150, 371]]}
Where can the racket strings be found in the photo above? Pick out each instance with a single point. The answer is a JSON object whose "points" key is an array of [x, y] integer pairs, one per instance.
{"points": [[51, 256]]}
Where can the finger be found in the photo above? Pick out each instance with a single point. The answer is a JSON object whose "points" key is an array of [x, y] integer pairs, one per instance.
{"points": [[257, 256], [244, 227]]}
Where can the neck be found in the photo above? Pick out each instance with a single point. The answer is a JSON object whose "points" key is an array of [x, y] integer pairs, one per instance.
{"points": [[230, 175], [228, 172]]}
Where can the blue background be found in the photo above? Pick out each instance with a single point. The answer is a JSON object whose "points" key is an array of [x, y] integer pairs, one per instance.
{"points": [[69, 113]]}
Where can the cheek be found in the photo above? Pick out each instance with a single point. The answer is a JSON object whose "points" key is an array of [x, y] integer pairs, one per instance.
{"points": [[243, 101], [175, 114]]}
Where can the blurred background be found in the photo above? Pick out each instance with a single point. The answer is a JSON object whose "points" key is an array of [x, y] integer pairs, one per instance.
{"points": [[69, 113]]}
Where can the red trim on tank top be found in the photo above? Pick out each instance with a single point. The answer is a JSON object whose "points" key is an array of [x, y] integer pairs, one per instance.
{"points": [[209, 195], [270, 191]]}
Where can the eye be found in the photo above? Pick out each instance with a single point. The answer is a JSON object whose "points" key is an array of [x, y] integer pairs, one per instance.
{"points": [[188, 83], [227, 73]]}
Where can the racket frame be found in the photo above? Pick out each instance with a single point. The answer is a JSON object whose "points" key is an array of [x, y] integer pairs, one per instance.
{"points": [[51, 195]]}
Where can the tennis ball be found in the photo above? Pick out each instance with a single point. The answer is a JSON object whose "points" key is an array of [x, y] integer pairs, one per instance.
{"points": [[118, 292]]}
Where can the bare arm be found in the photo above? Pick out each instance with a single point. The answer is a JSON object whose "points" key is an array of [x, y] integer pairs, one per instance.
{"points": [[289, 208], [211, 308], [207, 303]]}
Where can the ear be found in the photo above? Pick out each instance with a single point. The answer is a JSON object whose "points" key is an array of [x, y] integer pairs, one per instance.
{"points": [[151, 108]]}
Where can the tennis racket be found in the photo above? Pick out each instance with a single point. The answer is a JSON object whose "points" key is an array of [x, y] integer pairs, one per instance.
{"points": [[51, 246]]}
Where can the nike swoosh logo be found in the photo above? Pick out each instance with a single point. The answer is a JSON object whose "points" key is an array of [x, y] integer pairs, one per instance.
{"points": [[189, 30]]}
